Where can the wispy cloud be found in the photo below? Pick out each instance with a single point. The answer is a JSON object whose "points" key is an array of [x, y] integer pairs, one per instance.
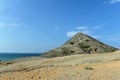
{"points": [[71, 33], [114, 1], [86, 30], [3, 24], [110, 2], [7, 20], [97, 27], [82, 27], [14, 25]]}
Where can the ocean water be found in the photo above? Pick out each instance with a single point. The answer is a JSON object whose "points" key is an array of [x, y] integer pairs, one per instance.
{"points": [[12, 56]]}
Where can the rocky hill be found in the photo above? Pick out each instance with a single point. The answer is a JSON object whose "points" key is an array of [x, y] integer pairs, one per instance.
{"points": [[80, 44]]}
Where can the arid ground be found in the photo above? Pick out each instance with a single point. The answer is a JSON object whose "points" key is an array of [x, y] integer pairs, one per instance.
{"points": [[104, 66]]}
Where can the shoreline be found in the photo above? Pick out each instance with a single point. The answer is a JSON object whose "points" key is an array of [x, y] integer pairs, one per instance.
{"points": [[73, 67]]}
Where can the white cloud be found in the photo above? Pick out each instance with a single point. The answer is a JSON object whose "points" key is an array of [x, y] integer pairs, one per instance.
{"points": [[3, 24], [71, 33], [82, 27], [86, 30], [97, 27], [6, 20], [14, 25], [114, 1]]}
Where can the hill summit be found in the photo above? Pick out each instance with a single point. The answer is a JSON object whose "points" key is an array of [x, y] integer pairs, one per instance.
{"points": [[80, 44]]}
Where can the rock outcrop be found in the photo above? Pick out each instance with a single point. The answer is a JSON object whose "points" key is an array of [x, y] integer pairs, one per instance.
{"points": [[80, 44]]}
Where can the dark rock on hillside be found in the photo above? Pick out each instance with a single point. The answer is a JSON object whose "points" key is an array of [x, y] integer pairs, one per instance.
{"points": [[80, 44]]}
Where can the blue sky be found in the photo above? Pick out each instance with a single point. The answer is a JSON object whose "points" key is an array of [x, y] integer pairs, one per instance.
{"points": [[40, 25]]}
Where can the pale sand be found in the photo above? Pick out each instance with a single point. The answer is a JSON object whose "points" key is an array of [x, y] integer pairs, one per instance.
{"points": [[103, 67]]}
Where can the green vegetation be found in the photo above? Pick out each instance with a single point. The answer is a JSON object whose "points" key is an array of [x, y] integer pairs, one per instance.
{"points": [[88, 68]]}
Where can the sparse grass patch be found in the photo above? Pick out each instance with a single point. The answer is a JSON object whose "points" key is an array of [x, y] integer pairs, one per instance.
{"points": [[88, 68], [115, 59], [77, 72], [76, 64]]}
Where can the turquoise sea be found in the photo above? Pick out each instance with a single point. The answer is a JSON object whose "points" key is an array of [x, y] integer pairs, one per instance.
{"points": [[12, 56]]}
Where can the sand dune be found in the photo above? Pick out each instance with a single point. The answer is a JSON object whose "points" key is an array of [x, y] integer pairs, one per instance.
{"points": [[75, 67]]}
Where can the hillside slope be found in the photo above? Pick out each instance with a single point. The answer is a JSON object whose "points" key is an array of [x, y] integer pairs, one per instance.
{"points": [[80, 44]]}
